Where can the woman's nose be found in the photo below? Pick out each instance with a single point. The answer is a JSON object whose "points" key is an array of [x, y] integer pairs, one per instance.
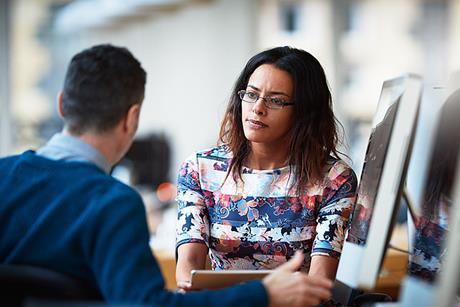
{"points": [[259, 106]]}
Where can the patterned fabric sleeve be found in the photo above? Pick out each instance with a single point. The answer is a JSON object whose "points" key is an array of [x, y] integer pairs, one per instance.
{"points": [[338, 201], [192, 220]]}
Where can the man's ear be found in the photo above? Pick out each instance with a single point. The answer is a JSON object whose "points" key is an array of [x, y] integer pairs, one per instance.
{"points": [[132, 118], [60, 107]]}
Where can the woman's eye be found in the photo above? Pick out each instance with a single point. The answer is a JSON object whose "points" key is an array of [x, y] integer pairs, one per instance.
{"points": [[277, 101], [251, 95]]}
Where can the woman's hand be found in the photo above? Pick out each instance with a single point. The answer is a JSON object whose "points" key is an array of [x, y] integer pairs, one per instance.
{"points": [[184, 286]]}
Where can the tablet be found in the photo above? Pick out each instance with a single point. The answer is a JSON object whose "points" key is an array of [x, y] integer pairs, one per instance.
{"points": [[208, 279]]}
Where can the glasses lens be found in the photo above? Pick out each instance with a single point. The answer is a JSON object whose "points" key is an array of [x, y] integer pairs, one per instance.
{"points": [[269, 102], [274, 103], [248, 96]]}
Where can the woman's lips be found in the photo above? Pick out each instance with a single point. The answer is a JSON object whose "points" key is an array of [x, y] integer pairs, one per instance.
{"points": [[255, 124]]}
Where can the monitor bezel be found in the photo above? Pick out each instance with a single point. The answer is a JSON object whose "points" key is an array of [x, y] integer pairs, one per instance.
{"points": [[360, 264]]}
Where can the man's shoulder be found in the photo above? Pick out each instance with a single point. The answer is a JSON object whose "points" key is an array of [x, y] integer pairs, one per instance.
{"points": [[119, 187], [101, 182], [9, 159], [77, 175], [9, 164], [105, 192]]}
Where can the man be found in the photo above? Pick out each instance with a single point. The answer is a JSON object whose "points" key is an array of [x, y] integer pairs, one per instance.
{"points": [[61, 210]]}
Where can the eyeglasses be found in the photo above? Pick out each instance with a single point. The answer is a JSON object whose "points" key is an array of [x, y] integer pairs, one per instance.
{"points": [[269, 102]]}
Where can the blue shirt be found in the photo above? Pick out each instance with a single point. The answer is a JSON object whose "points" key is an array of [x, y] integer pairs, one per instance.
{"points": [[69, 148]]}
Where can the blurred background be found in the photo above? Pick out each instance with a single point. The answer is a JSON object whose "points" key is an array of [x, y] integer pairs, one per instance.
{"points": [[193, 51]]}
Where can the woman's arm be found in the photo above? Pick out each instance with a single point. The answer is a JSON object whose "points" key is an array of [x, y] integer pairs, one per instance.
{"points": [[323, 266], [190, 256], [339, 199], [192, 229]]}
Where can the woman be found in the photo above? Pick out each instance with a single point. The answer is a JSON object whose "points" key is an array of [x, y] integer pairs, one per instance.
{"points": [[275, 184]]}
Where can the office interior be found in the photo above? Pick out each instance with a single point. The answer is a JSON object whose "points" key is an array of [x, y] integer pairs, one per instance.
{"points": [[193, 50]]}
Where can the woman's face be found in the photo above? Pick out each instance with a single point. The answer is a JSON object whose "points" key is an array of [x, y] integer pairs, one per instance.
{"points": [[261, 124]]}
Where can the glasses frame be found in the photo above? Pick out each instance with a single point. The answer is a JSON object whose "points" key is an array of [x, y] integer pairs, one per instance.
{"points": [[242, 93]]}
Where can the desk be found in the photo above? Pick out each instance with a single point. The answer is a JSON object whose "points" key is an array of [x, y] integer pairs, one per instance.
{"points": [[167, 264], [394, 267], [393, 271], [389, 281]]}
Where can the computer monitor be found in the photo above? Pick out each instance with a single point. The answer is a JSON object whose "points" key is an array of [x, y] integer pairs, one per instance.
{"points": [[148, 159], [430, 273], [447, 290], [381, 183]]}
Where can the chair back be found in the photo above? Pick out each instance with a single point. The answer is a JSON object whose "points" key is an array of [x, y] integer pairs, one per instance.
{"points": [[20, 282]]}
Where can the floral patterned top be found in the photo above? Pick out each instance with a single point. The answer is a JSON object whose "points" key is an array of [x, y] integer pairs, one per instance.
{"points": [[260, 222], [430, 242]]}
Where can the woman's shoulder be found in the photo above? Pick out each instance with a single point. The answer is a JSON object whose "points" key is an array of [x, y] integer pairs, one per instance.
{"points": [[207, 163], [337, 167], [214, 153], [337, 174]]}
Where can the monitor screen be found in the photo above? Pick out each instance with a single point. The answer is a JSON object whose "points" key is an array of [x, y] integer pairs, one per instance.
{"points": [[148, 159], [432, 226], [380, 186], [374, 162]]}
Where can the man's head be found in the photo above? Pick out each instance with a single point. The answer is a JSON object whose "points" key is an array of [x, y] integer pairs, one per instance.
{"points": [[102, 83]]}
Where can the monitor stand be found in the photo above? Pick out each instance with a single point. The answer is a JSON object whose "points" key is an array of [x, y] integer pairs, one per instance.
{"points": [[410, 205], [346, 295]]}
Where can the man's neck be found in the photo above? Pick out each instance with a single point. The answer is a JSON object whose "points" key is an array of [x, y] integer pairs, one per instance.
{"points": [[102, 142]]}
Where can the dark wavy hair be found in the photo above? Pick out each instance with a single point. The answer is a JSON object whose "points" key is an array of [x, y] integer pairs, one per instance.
{"points": [[314, 135]]}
